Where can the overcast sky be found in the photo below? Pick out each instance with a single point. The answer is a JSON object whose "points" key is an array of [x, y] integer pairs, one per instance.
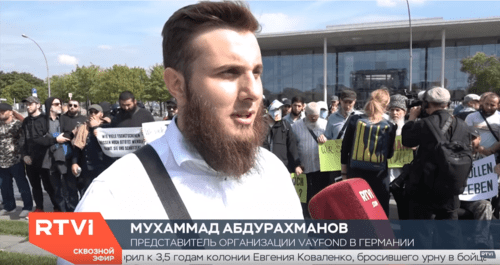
{"points": [[105, 33]]}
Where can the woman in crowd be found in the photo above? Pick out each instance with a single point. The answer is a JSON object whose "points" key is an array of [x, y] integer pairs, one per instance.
{"points": [[367, 144]]}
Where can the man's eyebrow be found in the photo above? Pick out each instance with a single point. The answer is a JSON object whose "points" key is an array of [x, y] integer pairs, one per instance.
{"points": [[229, 66]]}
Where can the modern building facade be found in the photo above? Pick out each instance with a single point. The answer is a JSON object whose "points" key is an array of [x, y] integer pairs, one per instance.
{"points": [[318, 64]]}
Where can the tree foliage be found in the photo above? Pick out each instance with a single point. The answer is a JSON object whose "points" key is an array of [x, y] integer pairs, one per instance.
{"points": [[17, 86], [484, 73], [155, 88], [91, 83]]}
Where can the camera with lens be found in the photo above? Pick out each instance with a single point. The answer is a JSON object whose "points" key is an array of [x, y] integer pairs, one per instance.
{"points": [[414, 101]]}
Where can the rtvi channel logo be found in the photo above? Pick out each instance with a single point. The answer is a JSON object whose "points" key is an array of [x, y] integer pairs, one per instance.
{"points": [[488, 254]]}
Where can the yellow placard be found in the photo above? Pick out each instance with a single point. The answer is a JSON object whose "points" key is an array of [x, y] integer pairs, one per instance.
{"points": [[329, 155], [402, 155], [300, 184]]}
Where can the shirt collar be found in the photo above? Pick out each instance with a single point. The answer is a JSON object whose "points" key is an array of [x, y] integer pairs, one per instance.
{"points": [[182, 151]]}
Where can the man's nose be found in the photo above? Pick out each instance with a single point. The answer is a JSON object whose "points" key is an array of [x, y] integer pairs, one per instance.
{"points": [[250, 87]]}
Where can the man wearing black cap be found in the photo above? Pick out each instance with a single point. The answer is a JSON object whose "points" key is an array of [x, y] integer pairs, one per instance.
{"points": [[33, 153], [335, 127], [287, 107], [11, 166]]}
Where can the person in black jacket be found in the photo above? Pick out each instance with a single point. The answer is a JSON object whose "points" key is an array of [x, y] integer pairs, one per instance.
{"points": [[52, 137], [424, 201], [72, 118], [33, 153], [130, 114], [280, 139]]}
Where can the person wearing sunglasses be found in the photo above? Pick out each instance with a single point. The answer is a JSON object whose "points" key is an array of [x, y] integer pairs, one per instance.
{"points": [[72, 118], [51, 136]]}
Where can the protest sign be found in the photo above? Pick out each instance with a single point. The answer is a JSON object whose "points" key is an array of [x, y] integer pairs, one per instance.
{"points": [[482, 182], [329, 155], [117, 142], [402, 155], [154, 130], [300, 184]]}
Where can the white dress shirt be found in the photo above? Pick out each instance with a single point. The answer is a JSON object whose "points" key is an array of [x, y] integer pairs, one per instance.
{"points": [[476, 120], [124, 190]]}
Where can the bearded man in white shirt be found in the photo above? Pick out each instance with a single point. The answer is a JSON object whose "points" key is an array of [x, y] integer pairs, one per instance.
{"points": [[487, 119], [213, 68]]}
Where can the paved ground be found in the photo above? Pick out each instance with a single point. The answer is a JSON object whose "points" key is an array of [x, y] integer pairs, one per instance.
{"points": [[21, 244]]}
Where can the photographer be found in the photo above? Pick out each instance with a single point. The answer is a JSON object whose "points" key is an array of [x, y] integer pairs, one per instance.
{"points": [[427, 200]]}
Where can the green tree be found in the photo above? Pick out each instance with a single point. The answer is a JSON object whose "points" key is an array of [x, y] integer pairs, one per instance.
{"points": [[8, 79], [119, 78], [61, 85], [156, 89], [84, 81], [484, 73], [19, 90]]}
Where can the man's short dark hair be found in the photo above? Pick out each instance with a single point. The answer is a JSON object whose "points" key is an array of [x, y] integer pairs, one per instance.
{"points": [[126, 95], [183, 26], [297, 99]]}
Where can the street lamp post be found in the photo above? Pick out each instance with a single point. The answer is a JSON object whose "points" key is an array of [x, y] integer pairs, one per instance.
{"points": [[411, 41], [47, 64]]}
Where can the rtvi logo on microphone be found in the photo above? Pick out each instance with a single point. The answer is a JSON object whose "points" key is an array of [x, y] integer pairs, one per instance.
{"points": [[367, 195]]}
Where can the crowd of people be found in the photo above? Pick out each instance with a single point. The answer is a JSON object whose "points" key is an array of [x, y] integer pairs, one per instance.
{"points": [[368, 142], [56, 149]]}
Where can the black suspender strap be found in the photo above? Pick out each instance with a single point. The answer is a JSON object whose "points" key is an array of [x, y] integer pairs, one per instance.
{"points": [[169, 197], [342, 131], [489, 126], [439, 134], [311, 132]]}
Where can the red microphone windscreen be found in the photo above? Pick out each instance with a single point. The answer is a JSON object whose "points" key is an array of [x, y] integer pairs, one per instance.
{"points": [[351, 199]]}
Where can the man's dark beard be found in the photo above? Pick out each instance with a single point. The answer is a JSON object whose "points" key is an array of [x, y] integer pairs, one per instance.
{"points": [[224, 153], [127, 114], [486, 114], [72, 114]]}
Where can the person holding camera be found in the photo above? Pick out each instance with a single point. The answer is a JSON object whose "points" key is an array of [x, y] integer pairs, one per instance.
{"points": [[427, 199]]}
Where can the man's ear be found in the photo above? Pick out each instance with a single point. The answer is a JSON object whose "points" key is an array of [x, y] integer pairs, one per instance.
{"points": [[176, 84]]}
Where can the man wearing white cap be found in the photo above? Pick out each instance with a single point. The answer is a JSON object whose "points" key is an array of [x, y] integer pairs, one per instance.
{"points": [[427, 197], [280, 139], [309, 132], [471, 104]]}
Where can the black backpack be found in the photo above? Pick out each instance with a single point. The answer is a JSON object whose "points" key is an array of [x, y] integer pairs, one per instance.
{"points": [[453, 158]]}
